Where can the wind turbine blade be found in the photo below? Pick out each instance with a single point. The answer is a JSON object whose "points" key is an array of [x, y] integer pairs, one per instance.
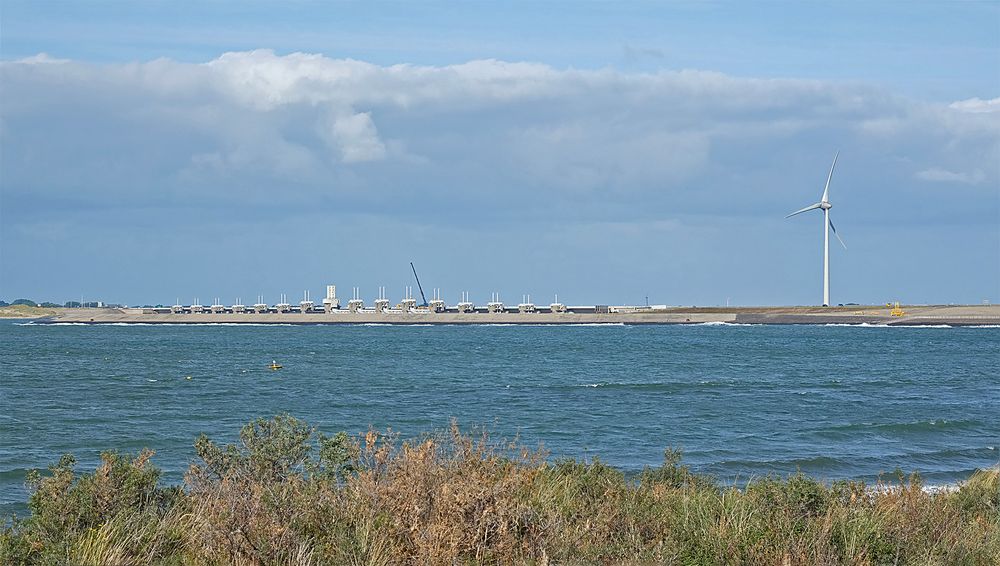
{"points": [[826, 190], [806, 209], [832, 227]]}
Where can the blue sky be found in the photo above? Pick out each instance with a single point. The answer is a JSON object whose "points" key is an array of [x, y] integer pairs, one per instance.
{"points": [[601, 151]]}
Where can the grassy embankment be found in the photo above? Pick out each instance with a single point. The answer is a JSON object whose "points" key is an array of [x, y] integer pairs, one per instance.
{"points": [[288, 495], [25, 311]]}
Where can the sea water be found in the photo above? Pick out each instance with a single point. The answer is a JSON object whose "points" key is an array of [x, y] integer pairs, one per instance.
{"points": [[740, 401]]}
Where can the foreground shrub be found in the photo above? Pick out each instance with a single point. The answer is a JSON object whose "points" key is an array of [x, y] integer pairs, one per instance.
{"points": [[117, 515], [287, 494]]}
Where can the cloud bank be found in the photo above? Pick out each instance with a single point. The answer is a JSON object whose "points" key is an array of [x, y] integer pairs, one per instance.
{"points": [[256, 126]]}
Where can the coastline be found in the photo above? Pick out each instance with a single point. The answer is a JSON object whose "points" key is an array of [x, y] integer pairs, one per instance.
{"points": [[931, 315]]}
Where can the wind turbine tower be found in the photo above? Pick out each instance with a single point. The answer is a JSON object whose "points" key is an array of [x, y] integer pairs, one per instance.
{"points": [[825, 206]]}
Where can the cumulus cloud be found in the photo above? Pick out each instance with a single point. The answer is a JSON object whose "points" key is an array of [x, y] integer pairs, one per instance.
{"points": [[356, 137], [249, 125]]}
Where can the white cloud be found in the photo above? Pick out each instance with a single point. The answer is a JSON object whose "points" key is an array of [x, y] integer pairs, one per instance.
{"points": [[356, 137], [943, 175], [41, 59], [977, 105], [252, 124]]}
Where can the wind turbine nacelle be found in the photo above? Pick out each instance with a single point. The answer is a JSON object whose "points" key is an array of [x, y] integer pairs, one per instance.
{"points": [[825, 205]]}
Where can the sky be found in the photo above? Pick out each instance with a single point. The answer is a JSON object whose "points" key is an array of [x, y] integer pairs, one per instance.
{"points": [[611, 153]]}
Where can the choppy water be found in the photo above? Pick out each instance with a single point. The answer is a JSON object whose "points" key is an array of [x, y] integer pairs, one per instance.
{"points": [[835, 402]]}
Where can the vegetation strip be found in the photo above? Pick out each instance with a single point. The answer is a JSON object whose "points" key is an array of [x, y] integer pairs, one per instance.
{"points": [[287, 494]]}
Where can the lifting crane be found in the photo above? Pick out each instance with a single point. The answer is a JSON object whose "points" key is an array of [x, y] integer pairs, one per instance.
{"points": [[415, 276]]}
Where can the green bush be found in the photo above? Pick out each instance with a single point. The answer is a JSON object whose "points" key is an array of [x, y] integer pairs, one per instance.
{"points": [[673, 474], [273, 450], [71, 514]]}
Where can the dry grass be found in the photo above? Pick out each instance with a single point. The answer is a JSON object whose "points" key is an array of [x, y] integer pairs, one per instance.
{"points": [[25, 311], [285, 495]]}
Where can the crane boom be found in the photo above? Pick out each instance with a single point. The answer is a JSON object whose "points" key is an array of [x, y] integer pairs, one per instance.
{"points": [[417, 277]]}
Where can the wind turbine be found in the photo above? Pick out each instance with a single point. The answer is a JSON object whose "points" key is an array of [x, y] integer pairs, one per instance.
{"points": [[825, 206]]}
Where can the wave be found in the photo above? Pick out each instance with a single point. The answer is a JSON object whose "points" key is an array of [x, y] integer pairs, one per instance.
{"points": [[621, 385], [233, 324], [934, 425], [825, 462], [162, 324], [721, 323], [645, 385], [456, 324], [885, 325], [856, 325], [395, 324], [945, 464], [14, 474], [540, 325], [941, 488]]}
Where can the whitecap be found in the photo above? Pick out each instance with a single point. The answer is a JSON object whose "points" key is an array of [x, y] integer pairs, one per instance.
{"points": [[934, 489], [191, 324], [535, 324], [885, 325]]}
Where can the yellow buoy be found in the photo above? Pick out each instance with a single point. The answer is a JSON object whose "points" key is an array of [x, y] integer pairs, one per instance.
{"points": [[274, 365]]}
